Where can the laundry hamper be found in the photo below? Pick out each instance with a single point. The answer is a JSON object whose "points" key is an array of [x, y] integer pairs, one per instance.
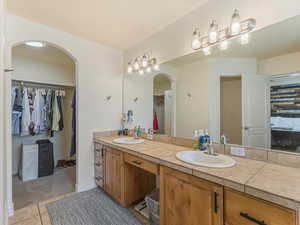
{"points": [[152, 201]]}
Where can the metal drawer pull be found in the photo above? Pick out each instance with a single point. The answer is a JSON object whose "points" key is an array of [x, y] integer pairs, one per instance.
{"points": [[245, 215], [216, 201], [97, 164], [137, 162], [97, 150]]}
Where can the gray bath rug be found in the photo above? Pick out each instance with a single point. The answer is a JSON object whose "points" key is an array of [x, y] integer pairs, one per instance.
{"points": [[92, 207]]}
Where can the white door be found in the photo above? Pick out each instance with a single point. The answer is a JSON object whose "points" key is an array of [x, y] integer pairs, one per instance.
{"points": [[168, 112], [256, 110]]}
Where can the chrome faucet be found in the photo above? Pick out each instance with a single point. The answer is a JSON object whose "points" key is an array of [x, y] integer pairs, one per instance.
{"points": [[224, 139], [137, 132], [210, 148]]}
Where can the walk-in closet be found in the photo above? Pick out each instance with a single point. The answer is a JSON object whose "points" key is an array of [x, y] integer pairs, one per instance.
{"points": [[43, 123]]}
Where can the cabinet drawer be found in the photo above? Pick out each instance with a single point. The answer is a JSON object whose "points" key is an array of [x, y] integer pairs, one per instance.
{"points": [[98, 146], [242, 209], [99, 171], [99, 181], [99, 154], [141, 163]]}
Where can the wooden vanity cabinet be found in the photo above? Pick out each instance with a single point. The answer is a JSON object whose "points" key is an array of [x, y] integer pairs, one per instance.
{"points": [[121, 175], [243, 209], [99, 155], [114, 174], [187, 200]]}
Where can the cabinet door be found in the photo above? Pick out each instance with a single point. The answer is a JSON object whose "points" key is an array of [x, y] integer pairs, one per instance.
{"points": [[187, 200], [113, 173]]}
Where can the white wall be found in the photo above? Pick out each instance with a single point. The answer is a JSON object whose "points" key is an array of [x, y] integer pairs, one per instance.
{"points": [[36, 70], [99, 74], [3, 175], [192, 113], [283, 64]]}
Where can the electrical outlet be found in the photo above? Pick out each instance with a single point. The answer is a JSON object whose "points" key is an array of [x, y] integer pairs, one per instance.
{"points": [[237, 151]]}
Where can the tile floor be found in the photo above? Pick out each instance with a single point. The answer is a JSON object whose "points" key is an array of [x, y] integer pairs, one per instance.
{"points": [[35, 214], [32, 192]]}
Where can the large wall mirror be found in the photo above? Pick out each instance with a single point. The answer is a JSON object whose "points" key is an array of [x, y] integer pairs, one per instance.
{"points": [[249, 93]]}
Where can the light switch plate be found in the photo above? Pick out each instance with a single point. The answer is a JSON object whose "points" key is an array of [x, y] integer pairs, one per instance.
{"points": [[237, 151]]}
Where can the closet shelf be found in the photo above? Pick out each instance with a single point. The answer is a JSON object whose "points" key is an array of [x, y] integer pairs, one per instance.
{"points": [[285, 100]]}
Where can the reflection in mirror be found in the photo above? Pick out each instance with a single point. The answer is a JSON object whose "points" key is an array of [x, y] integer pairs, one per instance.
{"points": [[248, 93], [162, 104]]}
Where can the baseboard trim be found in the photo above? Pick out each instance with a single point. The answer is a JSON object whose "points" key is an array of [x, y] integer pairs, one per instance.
{"points": [[10, 208], [81, 188]]}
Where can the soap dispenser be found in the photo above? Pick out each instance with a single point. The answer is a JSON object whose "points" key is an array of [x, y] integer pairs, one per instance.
{"points": [[196, 140], [202, 140]]}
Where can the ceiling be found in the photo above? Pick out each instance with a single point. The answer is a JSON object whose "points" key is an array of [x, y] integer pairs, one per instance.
{"points": [[117, 23], [275, 40], [48, 53]]}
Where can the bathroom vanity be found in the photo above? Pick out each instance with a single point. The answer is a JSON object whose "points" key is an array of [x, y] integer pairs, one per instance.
{"points": [[246, 194]]}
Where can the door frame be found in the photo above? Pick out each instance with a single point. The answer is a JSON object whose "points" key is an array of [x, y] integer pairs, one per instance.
{"points": [[7, 115], [172, 79], [215, 107], [268, 111]]}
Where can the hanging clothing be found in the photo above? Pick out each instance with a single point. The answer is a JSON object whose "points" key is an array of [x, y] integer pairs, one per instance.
{"points": [[36, 112], [73, 141], [60, 107], [18, 101], [16, 123], [56, 115], [51, 105], [155, 122], [43, 105], [26, 117], [13, 96]]}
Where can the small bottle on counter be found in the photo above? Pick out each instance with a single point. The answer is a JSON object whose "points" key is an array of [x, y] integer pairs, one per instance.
{"points": [[196, 140]]}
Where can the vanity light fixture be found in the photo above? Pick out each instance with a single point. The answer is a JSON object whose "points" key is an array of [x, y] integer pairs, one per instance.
{"points": [[244, 39], [142, 65], [213, 32], [196, 43], [235, 26], [237, 29]]}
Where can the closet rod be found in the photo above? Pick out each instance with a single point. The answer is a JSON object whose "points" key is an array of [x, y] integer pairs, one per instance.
{"points": [[40, 84]]}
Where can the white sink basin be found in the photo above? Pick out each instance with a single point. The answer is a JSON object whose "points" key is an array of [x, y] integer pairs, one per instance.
{"points": [[202, 159], [128, 141]]}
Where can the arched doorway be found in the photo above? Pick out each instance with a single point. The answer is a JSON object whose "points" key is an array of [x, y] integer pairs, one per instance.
{"points": [[163, 103], [44, 78]]}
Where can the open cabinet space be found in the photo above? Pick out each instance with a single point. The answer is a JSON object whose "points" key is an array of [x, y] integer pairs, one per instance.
{"points": [[43, 89]]}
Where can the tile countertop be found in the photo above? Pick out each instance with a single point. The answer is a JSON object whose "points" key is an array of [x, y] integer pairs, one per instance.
{"points": [[271, 182]]}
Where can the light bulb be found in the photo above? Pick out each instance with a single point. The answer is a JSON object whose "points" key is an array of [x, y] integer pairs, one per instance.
{"points": [[223, 45], [141, 72], [213, 32], [196, 43], [129, 68], [36, 44], [206, 51], [148, 70], [244, 39], [155, 64], [144, 61], [136, 65], [235, 26]]}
